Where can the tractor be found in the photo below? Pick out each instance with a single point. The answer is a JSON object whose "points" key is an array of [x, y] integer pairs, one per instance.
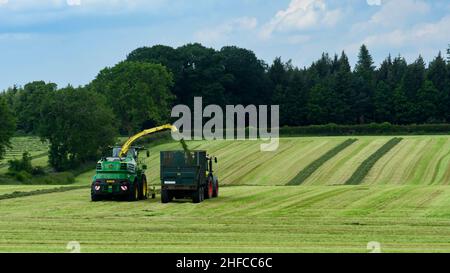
{"points": [[122, 175]]}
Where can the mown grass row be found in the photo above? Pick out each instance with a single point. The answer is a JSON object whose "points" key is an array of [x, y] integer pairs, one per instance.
{"points": [[365, 167], [243, 219], [18, 194], [303, 175]]}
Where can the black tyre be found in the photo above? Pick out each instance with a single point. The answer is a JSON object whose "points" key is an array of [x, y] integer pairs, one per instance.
{"points": [[143, 193], [216, 189], [133, 194], [198, 195], [95, 198], [166, 197]]}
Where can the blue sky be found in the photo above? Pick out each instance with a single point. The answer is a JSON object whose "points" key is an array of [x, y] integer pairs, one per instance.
{"points": [[70, 41]]}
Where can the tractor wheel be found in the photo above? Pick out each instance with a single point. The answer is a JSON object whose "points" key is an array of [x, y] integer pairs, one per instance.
{"points": [[144, 189], [165, 197], [209, 189], [216, 189], [133, 194], [95, 198]]}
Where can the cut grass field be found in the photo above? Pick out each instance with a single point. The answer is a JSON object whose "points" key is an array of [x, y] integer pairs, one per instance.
{"points": [[365, 167], [33, 145], [403, 202], [19, 145], [243, 219]]}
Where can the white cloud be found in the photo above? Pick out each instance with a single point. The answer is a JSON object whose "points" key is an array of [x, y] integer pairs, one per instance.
{"points": [[221, 33], [395, 11], [374, 2], [74, 2], [425, 37], [302, 15], [52, 4]]}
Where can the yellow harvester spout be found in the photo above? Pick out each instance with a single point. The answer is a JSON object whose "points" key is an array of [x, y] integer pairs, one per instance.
{"points": [[132, 139]]}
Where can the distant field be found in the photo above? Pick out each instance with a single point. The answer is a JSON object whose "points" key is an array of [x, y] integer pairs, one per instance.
{"points": [[19, 145], [403, 202], [415, 160]]}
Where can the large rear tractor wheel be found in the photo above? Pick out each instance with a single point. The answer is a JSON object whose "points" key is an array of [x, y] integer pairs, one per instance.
{"points": [[209, 189], [216, 189], [166, 196], [133, 194], [144, 189]]}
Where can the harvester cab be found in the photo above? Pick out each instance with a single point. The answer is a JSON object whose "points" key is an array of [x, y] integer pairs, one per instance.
{"points": [[122, 175]]}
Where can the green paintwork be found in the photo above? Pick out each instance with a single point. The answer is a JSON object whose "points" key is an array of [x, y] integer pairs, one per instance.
{"points": [[113, 172]]}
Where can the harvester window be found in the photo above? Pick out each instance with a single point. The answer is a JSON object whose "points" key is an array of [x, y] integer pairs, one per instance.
{"points": [[116, 152], [132, 153]]}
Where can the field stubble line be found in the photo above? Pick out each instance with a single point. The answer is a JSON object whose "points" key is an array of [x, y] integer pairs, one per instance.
{"points": [[365, 167], [303, 175]]}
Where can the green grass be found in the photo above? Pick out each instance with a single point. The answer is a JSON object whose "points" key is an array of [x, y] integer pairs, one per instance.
{"points": [[21, 193], [311, 168], [365, 167], [243, 163], [403, 202], [416, 160], [243, 219], [19, 145]]}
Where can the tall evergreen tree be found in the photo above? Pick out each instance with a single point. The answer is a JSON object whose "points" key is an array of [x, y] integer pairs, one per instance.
{"points": [[437, 75], [365, 85]]}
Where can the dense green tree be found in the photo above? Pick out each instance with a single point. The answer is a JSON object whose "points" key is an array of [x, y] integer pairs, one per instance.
{"points": [[402, 107], [328, 91], [438, 75], [250, 84], [79, 126], [7, 126], [414, 78], [364, 82], [383, 103], [203, 75], [345, 92], [289, 91], [139, 93], [28, 105], [427, 105]]}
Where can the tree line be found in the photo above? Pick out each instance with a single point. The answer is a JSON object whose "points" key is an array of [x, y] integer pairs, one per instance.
{"points": [[139, 92]]}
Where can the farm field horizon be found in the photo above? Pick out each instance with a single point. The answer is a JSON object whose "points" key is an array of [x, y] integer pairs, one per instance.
{"points": [[402, 201]]}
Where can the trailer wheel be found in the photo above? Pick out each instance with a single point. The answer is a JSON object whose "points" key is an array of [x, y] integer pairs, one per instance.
{"points": [[216, 189], [209, 189], [165, 196], [198, 195]]}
